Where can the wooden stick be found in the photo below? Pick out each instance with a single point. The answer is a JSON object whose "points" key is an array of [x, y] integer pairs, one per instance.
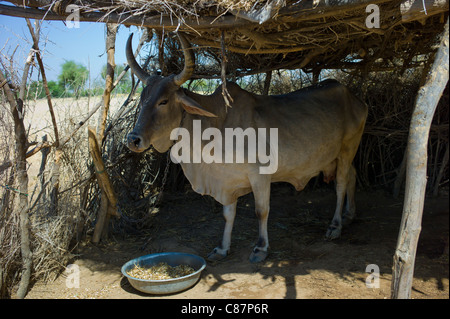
{"points": [[35, 37], [111, 30], [165, 22], [101, 174], [58, 152], [416, 170], [226, 96], [101, 219], [108, 205]]}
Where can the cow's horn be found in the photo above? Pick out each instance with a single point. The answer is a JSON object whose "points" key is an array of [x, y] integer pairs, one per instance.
{"points": [[189, 61], [135, 67]]}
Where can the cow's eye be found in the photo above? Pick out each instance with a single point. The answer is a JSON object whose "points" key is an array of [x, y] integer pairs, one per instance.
{"points": [[163, 102]]}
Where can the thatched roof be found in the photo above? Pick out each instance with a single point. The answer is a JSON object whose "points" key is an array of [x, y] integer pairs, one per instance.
{"points": [[264, 35]]}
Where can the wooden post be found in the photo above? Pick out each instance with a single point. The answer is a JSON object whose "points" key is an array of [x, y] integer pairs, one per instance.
{"points": [[416, 166], [101, 219], [109, 199]]}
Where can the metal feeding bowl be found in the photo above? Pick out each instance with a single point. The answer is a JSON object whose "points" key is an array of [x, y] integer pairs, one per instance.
{"points": [[165, 286]]}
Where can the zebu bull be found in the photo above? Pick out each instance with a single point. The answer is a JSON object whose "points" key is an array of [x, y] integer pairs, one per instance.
{"points": [[319, 130]]}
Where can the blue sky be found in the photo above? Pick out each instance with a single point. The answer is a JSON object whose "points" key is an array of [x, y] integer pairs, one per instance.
{"points": [[85, 45]]}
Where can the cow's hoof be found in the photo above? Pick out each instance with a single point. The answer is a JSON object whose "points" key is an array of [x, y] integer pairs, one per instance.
{"points": [[333, 232], [258, 255], [216, 255]]}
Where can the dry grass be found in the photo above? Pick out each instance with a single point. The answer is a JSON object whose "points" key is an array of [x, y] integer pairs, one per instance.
{"points": [[181, 7], [53, 237], [391, 98]]}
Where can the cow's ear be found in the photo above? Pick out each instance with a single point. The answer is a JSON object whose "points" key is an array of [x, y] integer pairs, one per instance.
{"points": [[192, 106]]}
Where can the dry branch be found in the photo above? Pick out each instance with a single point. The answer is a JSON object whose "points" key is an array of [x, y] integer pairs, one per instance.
{"points": [[16, 107], [55, 178], [226, 96], [35, 37]]}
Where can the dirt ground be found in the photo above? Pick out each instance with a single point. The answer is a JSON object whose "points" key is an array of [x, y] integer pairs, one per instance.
{"points": [[301, 264]]}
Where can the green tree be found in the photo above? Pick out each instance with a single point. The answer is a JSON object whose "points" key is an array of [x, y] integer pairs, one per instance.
{"points": [[124, 86], [73, 77], [36, 89], [56, 89]]}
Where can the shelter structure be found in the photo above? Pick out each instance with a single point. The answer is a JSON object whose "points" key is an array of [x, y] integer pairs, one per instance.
{"points": [[264, 35], [259, 36]]}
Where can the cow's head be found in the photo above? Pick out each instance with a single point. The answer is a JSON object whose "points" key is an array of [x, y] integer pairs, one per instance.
{"points": [[162, 103]]}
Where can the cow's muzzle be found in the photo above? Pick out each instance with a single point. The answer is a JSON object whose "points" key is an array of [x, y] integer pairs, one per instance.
{"points": [[135, 143]]}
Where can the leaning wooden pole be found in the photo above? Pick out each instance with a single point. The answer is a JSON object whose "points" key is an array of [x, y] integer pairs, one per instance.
{"points": [[108, 204], [416, 171], [109, 198]]}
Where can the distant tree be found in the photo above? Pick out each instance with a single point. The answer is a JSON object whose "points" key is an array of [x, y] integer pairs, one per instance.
{"points": [[124, 86], [36, 90], [73, 77], [55, 88]]}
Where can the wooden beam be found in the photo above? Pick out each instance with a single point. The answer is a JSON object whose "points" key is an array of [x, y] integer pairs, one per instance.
{"points": [[416, 171], [304, 11], [157, 21]]}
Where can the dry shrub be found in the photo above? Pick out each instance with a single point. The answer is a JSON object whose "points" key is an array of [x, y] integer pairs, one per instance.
{"points": [[10, 262], [136, 177], [53, 235], [391, 98]]}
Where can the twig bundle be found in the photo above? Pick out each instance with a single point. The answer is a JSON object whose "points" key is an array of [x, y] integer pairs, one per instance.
{"points": [[391, 99]]}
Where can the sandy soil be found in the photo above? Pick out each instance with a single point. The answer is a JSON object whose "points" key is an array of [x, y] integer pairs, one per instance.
{"points": [[301, 264]]}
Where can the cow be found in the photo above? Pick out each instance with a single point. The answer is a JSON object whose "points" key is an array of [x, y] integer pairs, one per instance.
{"points": [[319, 130]]}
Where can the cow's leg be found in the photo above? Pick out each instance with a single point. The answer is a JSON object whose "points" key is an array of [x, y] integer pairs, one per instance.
{"points": [[350, 209], [221, 251], [261, 192], [342, 177]]}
